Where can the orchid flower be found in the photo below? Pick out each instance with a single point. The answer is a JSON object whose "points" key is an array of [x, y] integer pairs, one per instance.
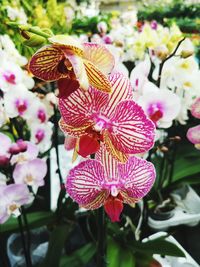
{"points": [[30, 153], [106, 182], [193, 135], [41, 135], [162, 106], [195, 108], [19, 102], [113, 119], [30, 172], [12, 197], [5, 143], [67, 58]]}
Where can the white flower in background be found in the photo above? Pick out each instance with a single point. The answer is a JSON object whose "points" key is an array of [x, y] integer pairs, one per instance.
{"points": [[39, 113], [19, 102], [3, 179], [3, 117], [17, 14], [8, 46], [30, 172], [41, 135], [161, 105], [12, 197], [186, 48]]}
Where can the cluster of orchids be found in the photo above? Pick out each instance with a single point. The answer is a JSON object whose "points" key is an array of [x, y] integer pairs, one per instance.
{"points": [[24, 132], [101, 122]]}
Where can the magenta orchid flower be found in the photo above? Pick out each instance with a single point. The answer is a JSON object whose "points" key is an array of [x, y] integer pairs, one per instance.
{"points": [[193, 135], [12, 197], [106, 182], [30, 172], [114, 119], [66, 58]]}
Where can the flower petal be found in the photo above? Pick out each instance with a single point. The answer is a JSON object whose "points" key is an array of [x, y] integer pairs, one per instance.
{"points": [[80, 107], [195, 108], [67, 42], [67, 87], [84, 184], [88, 145], [100, 56], [121, 90], [70, 142], [79, 70], [76, 132], [132, 131], [96, 78], [193, 134], [45, 64], [138, 176]]}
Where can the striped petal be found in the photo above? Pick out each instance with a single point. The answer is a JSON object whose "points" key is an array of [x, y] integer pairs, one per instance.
{"points": [[137, 176], [84, 184], [79, 70], [132, 131], [48, 64], [96, 78], [118, 155], [121, 90], [100, 56], [76, 132], [109, 163], [67, 42], [80, 107]]}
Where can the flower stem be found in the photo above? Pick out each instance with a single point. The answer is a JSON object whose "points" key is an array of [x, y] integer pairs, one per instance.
{"points": [[101, 242], [27, 256]]}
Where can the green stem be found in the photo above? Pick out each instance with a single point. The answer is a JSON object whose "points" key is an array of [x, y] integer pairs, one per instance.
{"points": [[101, 244]]}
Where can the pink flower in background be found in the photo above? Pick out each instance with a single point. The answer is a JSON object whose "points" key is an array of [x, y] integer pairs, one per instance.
{"points": [[193, 135], [30, 153], [5, 143], [12, 197], [106, 182], [195, 108], [30, 172], [113, 119]]}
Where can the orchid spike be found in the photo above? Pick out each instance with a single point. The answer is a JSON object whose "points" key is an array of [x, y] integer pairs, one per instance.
{"points": [[113, 119], [66, 58], [106, 182]]}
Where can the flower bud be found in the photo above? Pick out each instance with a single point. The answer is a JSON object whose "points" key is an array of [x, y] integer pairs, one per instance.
{"points": [[32, 39], [102, 27], [161, 52], [4, 160]]}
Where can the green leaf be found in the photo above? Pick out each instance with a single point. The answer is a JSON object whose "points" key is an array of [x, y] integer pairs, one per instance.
{"points": [[80, 257], [35, 219], [56, 244], [117, 256], [158, 246]]}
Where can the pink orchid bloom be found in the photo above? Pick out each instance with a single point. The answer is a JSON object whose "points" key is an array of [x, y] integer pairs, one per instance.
{"points": [[30, 172], [193, 135], [114, 119], [12, 197], [5, 143], [195, 108], [106, 182], [88, 63], [31, 152]]}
